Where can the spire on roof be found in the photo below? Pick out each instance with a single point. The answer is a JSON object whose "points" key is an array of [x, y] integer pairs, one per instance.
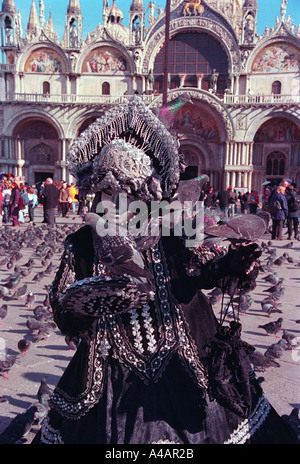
{"points": [[50, 23], [33, 22]]}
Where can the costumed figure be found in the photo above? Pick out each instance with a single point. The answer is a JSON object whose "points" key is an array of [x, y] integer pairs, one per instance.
{"points": [[153, 364]]}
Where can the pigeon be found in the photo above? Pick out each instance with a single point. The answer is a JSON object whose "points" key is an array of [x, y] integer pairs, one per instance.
{"points": [[30, 299], [269, 308], [44, 390], [190, 190], [23, 346], [38, 276], [12, 283], [230, 310], [33, 324], [213, 299], [26, 272], [42, 408], [50, 268], [7, 364], [3, 312], [273, 297], [4, 292], [29, 263], [20, 292], [274, 289], [46, 301], [244, 302], [43, 314], [19, 427], [279, 261], [272, 328], [293, 340], [119, 254], [276, 350], [45, 331], [260, 362]]}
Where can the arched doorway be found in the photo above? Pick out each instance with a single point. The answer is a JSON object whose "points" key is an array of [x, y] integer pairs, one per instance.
{"points": [[276, 152], [39, 147], [194, 160]]}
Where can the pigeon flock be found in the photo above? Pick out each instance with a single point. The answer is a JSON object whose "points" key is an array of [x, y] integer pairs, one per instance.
{"points": [[29, 257]]}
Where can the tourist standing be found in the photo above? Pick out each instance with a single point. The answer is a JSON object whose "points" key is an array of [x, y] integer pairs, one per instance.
{"points": [[223, 197], [245, 202], [253, 202], [64, 199], [32, 203], [293, 212], [278, 215], [232, 201], [50, 200], [210, 198], [73, 196]]}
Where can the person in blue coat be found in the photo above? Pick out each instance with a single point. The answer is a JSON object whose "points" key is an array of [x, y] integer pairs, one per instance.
{"points": [[279, 217], [293, 213]]}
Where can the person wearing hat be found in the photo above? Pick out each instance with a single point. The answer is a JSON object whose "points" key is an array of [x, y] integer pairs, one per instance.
{"points": [[142, 373], [279, 214]]}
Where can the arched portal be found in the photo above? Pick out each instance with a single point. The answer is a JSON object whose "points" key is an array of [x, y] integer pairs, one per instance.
{"points": [[276, 152], [37, 149]]}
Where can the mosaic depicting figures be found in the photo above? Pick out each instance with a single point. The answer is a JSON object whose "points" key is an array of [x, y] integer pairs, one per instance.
{"points": [[45, 61], [104, 60], [276, 58], [278, 130], [194, 119]]}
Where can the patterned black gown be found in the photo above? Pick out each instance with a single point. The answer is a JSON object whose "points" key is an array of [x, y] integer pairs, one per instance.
{"points": [[141, 376]]}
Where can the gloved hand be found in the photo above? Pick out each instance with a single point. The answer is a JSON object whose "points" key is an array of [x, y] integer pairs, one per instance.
{"points": [[241, 268], [241, 258]]}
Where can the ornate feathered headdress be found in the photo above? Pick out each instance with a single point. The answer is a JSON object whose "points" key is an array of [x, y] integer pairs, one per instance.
{"points": [[127, 148]]}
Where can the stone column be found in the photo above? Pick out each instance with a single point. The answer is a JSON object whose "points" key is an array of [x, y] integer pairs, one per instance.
{"points": [[199, 80], [182, 79]]}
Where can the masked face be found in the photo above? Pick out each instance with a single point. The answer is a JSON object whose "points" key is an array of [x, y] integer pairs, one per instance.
{"points": [[114, 203]]}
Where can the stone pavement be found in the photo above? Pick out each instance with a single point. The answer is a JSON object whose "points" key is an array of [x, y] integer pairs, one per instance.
{"points": [[48, 358]]}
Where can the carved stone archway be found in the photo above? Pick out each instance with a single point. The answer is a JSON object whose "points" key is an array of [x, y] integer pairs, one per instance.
{"points": [[197, 24]]}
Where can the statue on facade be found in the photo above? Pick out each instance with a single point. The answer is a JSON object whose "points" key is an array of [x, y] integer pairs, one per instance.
{"points": [[151, 17], [212, 83], [283, 8], [137, 31]]}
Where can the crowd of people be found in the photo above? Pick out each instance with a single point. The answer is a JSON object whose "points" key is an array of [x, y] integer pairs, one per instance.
{"points": [[18, 200], [285, 197], [228, 201]]}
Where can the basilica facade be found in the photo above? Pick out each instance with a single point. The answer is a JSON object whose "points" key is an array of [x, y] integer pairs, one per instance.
{"points": [[241, 125]]}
